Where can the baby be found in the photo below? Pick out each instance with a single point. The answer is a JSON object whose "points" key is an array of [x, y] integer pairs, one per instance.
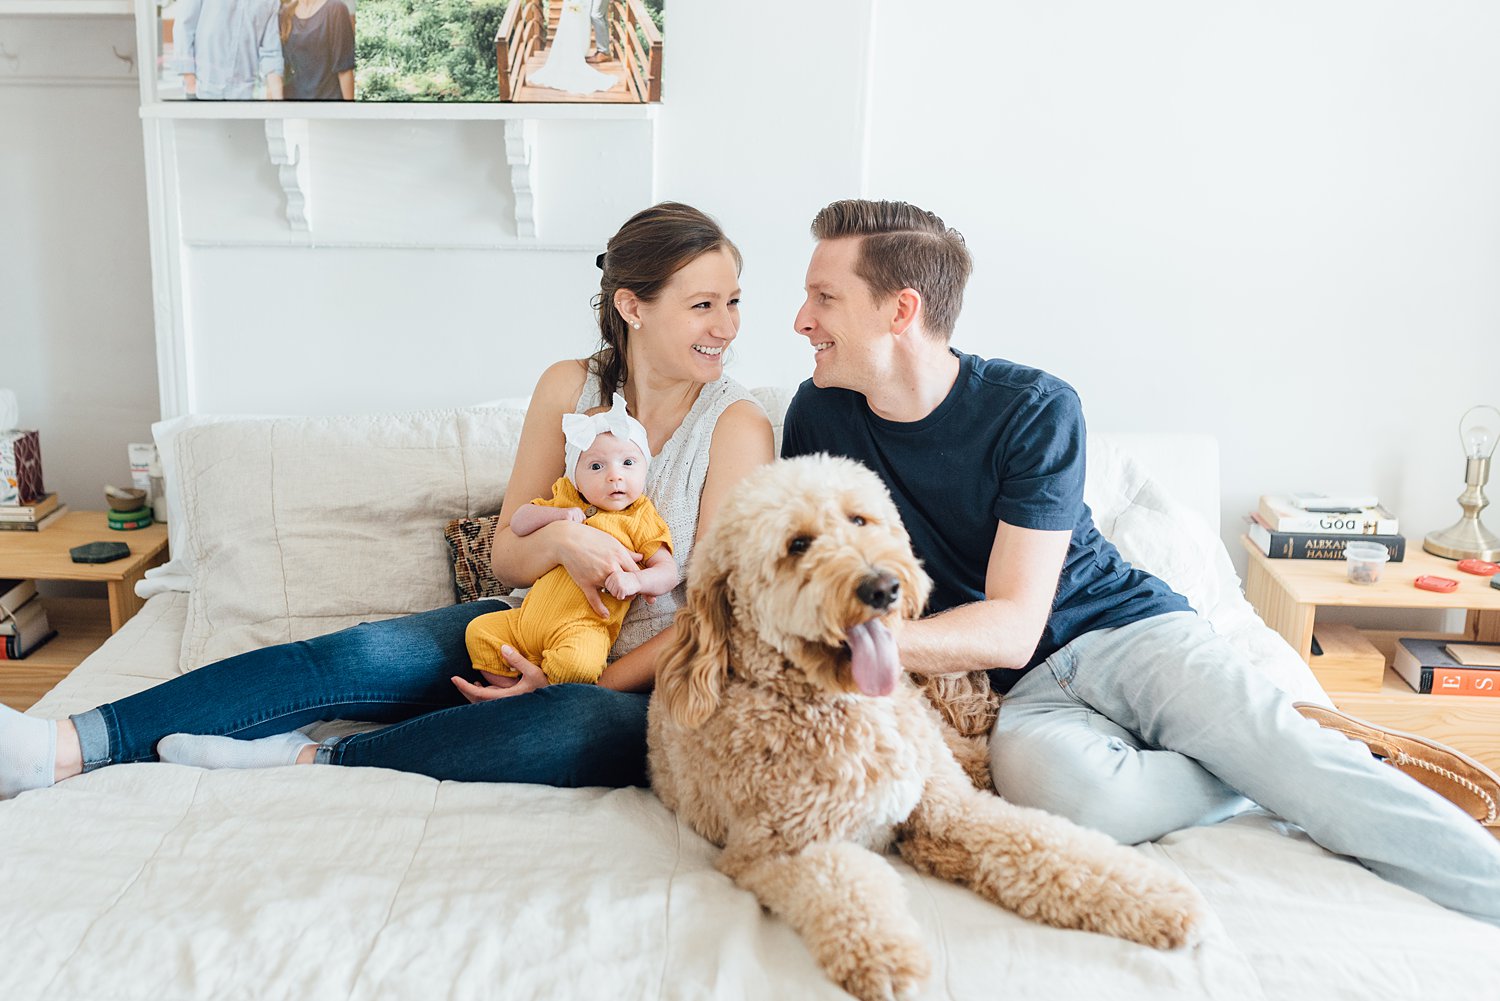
{"points": [[555, 628]]}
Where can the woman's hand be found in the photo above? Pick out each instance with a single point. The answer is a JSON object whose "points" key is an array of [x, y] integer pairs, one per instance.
{"points": [[530, 680], [591, 557]]}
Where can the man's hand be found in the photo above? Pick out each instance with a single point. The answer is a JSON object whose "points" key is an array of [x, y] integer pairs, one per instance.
{"points": [[190, 83], [502, 687]]}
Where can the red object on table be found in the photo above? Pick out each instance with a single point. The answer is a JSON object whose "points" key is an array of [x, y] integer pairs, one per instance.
{"points": [[1482, 568], [1430, 582]]}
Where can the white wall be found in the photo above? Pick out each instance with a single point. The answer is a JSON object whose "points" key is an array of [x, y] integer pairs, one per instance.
{"points": [[1279, 223], [1273, 222], [76, 333]]}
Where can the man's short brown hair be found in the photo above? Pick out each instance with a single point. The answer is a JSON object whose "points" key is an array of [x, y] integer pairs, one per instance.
{"points": [[902, 246]]}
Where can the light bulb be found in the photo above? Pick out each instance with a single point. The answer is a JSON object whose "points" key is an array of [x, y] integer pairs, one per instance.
{"points": [[1477, 431]]}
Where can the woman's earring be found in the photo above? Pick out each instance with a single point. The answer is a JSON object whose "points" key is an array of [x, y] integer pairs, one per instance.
{"points": [[637, 326]]}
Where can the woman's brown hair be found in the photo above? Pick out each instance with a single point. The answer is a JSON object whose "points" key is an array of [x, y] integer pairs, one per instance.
{"points": [[652, 246]]}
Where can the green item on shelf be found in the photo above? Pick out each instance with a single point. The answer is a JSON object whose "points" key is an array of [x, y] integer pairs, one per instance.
{"points": [[120, 516]]}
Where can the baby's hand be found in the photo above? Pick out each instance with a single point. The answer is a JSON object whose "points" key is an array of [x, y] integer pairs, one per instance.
{"points": [[622, 585], [576, 514]]}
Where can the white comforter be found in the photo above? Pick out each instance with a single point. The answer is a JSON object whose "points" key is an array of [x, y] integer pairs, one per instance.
{"points": [[159, 881]]}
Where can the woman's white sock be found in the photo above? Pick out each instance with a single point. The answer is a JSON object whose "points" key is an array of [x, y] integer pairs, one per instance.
{"points": [[28, 752], [226, 752]]}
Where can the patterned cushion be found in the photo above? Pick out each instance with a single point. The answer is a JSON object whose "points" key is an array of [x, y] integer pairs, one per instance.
{"points": [[469, 543]]}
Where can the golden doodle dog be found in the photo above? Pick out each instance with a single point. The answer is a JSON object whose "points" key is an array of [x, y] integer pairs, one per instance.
{"points": [[783, 729]]}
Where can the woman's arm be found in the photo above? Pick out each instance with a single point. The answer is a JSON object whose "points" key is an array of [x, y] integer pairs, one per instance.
{"points": [[742, 442]]}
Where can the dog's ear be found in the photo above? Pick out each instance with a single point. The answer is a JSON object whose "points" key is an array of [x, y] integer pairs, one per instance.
{"points": [[695, 663], [914, 597]]}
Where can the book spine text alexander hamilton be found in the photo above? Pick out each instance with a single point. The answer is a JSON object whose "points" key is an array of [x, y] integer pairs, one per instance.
{"points": [[1314, 546]]}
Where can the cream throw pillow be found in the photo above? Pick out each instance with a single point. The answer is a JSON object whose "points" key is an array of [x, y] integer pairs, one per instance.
{"points": [[297, 527]]}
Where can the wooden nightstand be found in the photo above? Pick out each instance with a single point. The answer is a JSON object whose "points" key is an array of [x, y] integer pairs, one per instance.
{"points": [[1288, 593], [82, 624]]}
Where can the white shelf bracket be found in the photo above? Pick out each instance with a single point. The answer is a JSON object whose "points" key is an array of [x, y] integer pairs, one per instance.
{"points": [[286, 141], [520, 154]]}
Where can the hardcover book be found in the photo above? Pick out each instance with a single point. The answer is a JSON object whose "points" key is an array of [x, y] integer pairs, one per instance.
{"points": [[29, 512], [34, 526], [1475, 655], [1281, 514], [20, 467], [14, 594], [28, 622], [1316, 545], [1429, 669], [16, 647]]}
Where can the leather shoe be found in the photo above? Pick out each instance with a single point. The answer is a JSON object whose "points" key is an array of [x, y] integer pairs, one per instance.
{"points": [[1451, 774]]}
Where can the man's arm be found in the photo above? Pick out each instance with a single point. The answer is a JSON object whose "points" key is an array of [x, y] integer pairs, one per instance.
{"points": [[1004, 629]]}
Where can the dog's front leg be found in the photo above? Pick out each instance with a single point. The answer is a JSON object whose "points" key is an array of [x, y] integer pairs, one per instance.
{"points": [[848, 905], [1046, 868]]}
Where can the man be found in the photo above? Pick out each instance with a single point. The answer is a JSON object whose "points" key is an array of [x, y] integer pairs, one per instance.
{"points": [[598, 16], [1124, 711]]}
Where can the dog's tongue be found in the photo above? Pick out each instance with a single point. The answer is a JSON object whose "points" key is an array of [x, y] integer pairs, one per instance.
{"points": [[872, 654]]}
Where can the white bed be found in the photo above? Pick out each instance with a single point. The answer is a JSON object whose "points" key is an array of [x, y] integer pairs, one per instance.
{"points": [[159, 881]]}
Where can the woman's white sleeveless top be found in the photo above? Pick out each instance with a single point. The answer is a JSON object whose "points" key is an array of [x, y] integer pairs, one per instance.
{"points": [[674, 482]]}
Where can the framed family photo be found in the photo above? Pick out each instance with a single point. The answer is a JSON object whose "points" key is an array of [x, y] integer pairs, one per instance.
{"points": [[602, 51]]}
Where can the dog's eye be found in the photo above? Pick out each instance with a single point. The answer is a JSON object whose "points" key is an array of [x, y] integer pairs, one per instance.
{"points": [[857, 519], [799, 545]]}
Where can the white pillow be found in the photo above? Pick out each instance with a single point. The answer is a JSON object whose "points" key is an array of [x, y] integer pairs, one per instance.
{"points": [[1159, 535], [176, 574], [300, 526]]}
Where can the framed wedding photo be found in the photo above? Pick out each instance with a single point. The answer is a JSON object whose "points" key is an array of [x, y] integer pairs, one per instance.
{"points": [[600, 51]]}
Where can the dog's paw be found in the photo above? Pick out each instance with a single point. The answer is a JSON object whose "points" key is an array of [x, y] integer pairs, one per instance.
{"points": [[1160, 912], [875, 970]]}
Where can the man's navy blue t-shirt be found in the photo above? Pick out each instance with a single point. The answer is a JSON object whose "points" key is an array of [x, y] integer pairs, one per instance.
{"points": [[1006, 444]]}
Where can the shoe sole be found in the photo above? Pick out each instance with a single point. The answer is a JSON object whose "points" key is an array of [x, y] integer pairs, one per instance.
{"points": [[1366, 733]]}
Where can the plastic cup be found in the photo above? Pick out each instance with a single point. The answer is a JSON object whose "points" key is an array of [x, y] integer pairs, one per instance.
{"points": [[1365, 561]]}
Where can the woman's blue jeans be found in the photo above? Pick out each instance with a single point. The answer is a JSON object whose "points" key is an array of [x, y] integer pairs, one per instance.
{"points": [[395, 672]]}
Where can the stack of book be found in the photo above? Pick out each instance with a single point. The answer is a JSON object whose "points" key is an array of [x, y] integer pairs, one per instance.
{"points": [[1318, 526], [31, 517], [1449, 667], [23, 620]]}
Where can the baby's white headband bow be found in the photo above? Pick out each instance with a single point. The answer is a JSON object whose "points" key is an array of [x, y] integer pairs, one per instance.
{"points": [[580, 430]]}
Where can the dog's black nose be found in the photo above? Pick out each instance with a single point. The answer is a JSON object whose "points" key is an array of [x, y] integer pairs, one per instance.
{"points": [[879, 590]]}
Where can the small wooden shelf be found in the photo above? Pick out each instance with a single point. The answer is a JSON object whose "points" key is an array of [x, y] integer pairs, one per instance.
{"points": [[68, 8], [82, 626], [366, 111], [1288, 593], [1469, 723]]}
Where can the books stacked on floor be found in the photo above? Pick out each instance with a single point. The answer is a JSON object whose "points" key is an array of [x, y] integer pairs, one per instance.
{"points": [[1449, 667], [23, 620], [1318, 526], [31, 517]]}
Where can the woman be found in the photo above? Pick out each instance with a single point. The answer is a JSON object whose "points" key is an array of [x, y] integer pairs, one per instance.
{"points": [[317, 41], [668, 306]]}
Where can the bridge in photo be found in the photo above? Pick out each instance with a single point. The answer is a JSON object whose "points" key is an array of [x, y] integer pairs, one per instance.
{"points": [[635, 53]]}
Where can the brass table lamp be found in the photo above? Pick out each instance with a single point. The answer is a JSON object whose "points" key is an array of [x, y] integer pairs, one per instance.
{"points": [[1468, 538]]}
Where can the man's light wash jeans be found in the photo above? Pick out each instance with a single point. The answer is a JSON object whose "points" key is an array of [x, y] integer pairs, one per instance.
{"points": [[1161, 725]]}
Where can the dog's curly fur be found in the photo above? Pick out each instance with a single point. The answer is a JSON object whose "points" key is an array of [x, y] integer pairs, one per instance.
{"points": [[759, 738]]}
